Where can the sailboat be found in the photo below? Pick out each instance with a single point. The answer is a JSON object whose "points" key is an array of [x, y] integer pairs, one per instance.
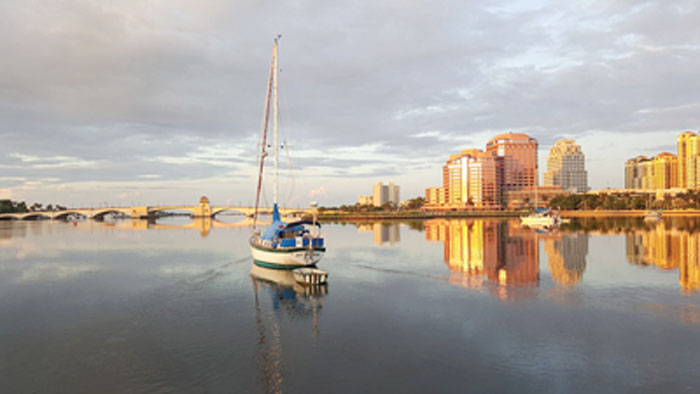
{"points": [[282, 245], [541, 217]]}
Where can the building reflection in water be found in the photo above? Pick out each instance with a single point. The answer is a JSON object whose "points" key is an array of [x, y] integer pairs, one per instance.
{"points": [[505, 254], [566, 256], [668, 248], [383, 232], [479, 250], [287, 299]]}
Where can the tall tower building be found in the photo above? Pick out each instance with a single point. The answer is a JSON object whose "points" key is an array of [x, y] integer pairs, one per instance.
{"points": [[566, 167], [380, 195], [517, 159], [634, 172], [665, 171], [658, 173], [470, 179], [684, 146], [383, 194], [688, 160]]}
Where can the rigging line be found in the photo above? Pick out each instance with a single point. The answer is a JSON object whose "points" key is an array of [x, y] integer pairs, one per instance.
{"points": [[264, 139], [286, 113]]}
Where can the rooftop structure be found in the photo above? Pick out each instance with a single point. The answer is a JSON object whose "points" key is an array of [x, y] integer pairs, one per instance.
{"points": [[566, 167]]}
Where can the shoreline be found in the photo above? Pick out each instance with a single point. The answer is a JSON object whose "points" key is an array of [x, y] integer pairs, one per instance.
{"points": [[348, 216]]}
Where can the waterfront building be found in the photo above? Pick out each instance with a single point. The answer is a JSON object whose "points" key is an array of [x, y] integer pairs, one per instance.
{"points": [[365, 200], [688, 160], [687, 152], [517, 158], [481, 179], [531, 196], [470, 180], [383, 194], [634, 172], [665, 172], [435, 196], [566, 167], [657, 173]]}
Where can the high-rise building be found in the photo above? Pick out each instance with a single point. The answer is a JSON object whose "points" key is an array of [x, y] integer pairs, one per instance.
{"points": [[517, 158], [470, 180], [566, 167], [686, 141], [634, 172], [665, 171], [659, 172], [383, 194], [688, 160], [380, 195], [393, 194]]}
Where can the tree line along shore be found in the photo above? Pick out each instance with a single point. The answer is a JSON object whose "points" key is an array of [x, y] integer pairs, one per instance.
{"points": [[571, 205]]}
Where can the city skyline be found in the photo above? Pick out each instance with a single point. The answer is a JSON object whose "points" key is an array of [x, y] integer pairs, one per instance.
{"points": [[131, 103]]}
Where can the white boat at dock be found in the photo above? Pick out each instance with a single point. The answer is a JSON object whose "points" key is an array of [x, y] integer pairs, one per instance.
{"points": [[541, 218]]}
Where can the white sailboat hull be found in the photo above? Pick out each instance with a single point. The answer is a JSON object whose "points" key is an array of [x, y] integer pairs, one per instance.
{"points": [[286, 259], [538, 221]]}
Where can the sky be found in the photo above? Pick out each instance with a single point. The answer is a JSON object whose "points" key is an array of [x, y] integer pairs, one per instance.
{"points": [[160, 101]]}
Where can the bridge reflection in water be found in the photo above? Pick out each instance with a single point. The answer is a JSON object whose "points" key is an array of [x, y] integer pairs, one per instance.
{"points": [[203, 224]]}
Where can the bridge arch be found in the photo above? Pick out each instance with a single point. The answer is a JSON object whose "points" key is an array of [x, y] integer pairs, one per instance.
{"points": [[154, 211], [294, 212], [63, 215], [35, 216], [100, 214], [242, 211]]}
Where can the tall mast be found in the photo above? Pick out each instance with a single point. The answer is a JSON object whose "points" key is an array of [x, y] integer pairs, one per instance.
{"points": [[274, 119], [266, 122]]}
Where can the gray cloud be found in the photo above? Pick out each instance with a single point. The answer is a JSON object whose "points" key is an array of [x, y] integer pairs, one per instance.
{"points": [[130, 90]]}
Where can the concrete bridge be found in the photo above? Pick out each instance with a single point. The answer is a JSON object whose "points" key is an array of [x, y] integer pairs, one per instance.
{"points": [[203, 210]]}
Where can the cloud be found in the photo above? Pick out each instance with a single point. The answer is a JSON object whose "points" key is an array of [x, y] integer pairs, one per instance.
{"points": [[105, 93], [320, 191]]}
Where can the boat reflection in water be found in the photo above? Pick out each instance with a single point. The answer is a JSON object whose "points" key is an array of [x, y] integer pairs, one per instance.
{"points": [[506, 255], [288, 299]]}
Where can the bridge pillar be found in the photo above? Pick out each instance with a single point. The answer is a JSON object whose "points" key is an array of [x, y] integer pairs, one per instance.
{"points": [[139, 212], [203, 210]]}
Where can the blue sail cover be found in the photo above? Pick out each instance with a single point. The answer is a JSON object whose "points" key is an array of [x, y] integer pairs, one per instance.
{"points": [[277, 226]]}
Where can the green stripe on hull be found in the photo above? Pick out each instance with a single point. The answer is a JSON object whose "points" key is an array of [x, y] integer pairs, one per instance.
{"points": [[289, 250], [277, 266]]}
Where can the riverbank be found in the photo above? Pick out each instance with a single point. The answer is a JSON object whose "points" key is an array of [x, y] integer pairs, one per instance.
{"points": [[627, 213], [418, 215]]}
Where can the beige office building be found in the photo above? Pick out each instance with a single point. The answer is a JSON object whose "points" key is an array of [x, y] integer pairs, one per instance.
{"points": [[566, 167], [688, 160], [658, 173], [383, 194], [470, 180]]}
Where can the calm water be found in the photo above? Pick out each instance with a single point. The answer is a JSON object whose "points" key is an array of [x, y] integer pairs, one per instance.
{"points": [[434, 306]]}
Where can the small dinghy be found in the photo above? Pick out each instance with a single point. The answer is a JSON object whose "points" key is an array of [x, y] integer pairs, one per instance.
{"points": [[310, 275]]}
